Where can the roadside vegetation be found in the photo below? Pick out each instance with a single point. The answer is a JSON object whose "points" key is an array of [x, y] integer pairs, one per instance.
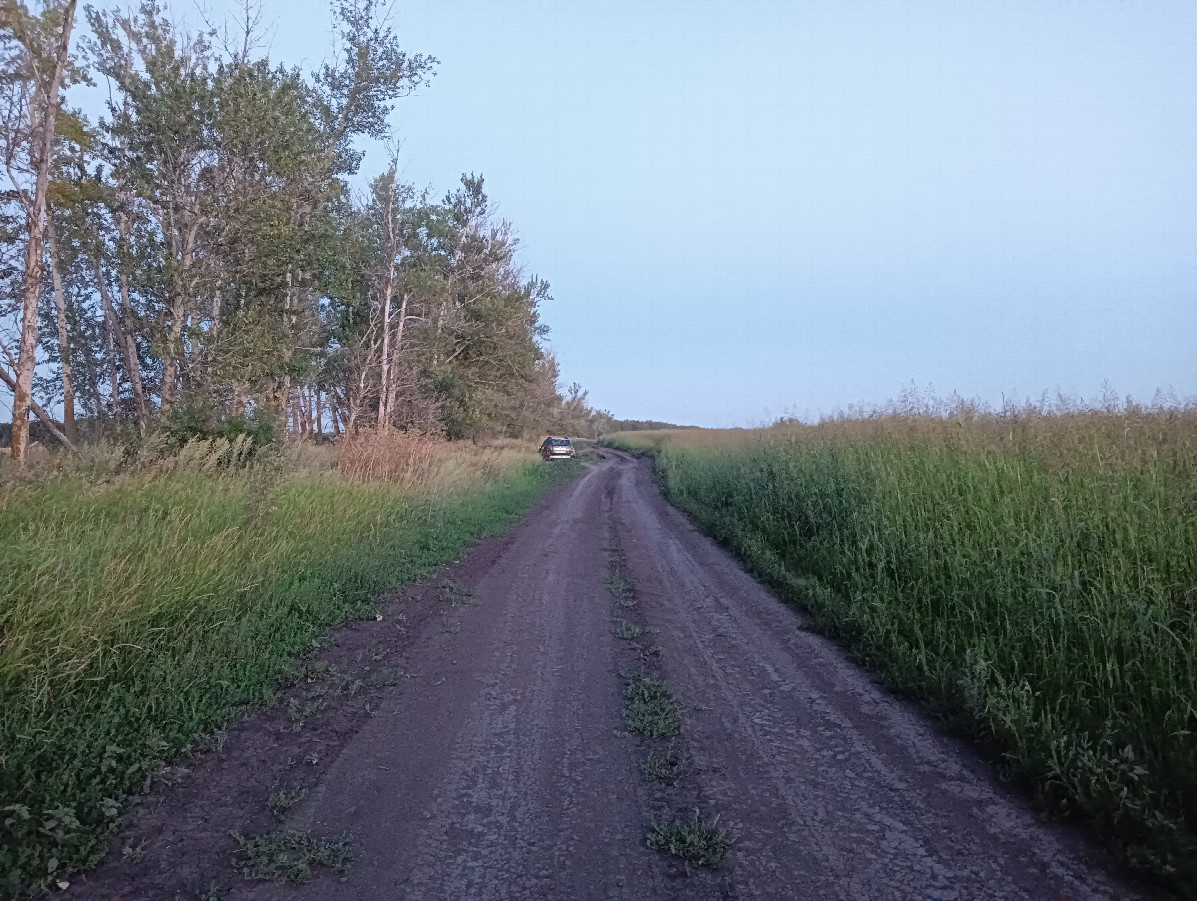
{"points": [[159, 594], [1032, 573], [232, 379]]}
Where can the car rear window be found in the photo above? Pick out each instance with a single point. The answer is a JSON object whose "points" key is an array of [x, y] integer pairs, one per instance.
{"points": [[560, 442]]}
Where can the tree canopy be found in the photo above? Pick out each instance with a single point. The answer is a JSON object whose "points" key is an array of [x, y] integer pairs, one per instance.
{"points": [[206, 266]]}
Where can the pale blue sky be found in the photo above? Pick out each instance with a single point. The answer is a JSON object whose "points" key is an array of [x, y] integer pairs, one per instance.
{"points": [[754, 208]]}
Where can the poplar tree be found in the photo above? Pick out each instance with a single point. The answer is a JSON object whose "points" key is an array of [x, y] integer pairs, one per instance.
{"points": [[34, 64]]}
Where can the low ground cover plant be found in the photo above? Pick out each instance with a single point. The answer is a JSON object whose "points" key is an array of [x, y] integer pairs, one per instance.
{"points": [[698, 841], [145, 602], [1031, 573]]}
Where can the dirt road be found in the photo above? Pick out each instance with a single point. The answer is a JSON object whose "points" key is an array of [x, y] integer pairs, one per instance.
{"points": [[499, 765]]}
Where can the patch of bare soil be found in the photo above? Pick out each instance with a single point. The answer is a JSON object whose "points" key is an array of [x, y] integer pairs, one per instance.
{"points": [[472, 743]]}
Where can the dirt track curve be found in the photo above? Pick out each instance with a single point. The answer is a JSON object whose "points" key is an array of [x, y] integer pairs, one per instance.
{"points": [[499, 766]]}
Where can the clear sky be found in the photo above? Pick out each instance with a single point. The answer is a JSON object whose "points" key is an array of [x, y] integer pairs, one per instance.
{"points": [[749, 209]]}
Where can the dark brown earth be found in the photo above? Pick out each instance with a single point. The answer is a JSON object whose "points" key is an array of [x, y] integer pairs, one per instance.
{"points": [[471, 743]]}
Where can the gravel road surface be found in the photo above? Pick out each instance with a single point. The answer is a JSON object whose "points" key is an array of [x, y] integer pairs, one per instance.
{"points": [[499, 766]]}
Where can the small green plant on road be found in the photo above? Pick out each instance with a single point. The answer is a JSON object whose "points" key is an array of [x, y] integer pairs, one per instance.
{"points": [[697, 841], [670, 766], [620, 589], [284, 798], [627, 630], [651, 709], [459, 595], [289, 855]]}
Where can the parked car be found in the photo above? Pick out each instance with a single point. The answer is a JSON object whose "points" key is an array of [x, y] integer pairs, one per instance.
{"points": [[556, 449]]}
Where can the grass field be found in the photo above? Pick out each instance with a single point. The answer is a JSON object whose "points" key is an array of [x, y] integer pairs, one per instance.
{"points": [[143, 604], [1033, 576]]}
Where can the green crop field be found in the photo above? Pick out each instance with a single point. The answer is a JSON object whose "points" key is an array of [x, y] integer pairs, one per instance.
{"points": [[1032, 576], [142, 606]]}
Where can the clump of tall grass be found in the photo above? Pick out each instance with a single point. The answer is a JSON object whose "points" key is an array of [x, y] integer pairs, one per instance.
{"points": [[146, 598], [416, 460], [1032, 573]]}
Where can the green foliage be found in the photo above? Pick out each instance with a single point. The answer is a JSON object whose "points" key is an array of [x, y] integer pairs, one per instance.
{"points": [[289, 855], [147, 607], [650, 708], [196, 421], [670, 767], [1034, 577], [698, 841], [627, 630]]}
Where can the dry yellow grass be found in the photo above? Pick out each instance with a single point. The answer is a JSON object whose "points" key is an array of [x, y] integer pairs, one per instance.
{"points": [[413, 460]]}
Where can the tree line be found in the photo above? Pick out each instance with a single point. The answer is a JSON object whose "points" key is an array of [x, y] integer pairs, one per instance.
{"points": [[195, 258]]}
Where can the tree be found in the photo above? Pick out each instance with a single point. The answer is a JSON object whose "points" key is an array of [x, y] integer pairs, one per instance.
{"points": [[33, 66], [209, 265]]}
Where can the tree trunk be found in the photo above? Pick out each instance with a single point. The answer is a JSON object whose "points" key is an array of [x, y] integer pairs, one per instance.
{"points": [[170, 361], [110, 328], [384, 384], [393, 386], [94, 386], [35, 217], [64, 338], [46, 419], [319, 418], [128, 344]]}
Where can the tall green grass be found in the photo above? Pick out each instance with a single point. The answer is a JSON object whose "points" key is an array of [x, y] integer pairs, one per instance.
{"points": [[139, 610], [1034, 577]]}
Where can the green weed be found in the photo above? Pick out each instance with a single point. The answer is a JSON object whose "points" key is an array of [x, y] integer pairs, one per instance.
{"points": [[459, 595], [620, 589], [650, 708], [289, 855], [697, 841], [670, 767], [284, 798], [627, 630]]}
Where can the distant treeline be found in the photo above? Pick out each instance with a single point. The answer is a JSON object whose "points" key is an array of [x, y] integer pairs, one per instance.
{"points": [[196, 255], [642, 425]]}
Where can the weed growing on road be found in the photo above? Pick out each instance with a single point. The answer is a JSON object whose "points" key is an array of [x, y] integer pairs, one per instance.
{"points": [[648, 652], [651, 709], [669, 767], [697, 841], [450, 625], [384, 677], [620, 588], [299, 711], [627, 630], [289, 855], [459, 595], [284, 798]]}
